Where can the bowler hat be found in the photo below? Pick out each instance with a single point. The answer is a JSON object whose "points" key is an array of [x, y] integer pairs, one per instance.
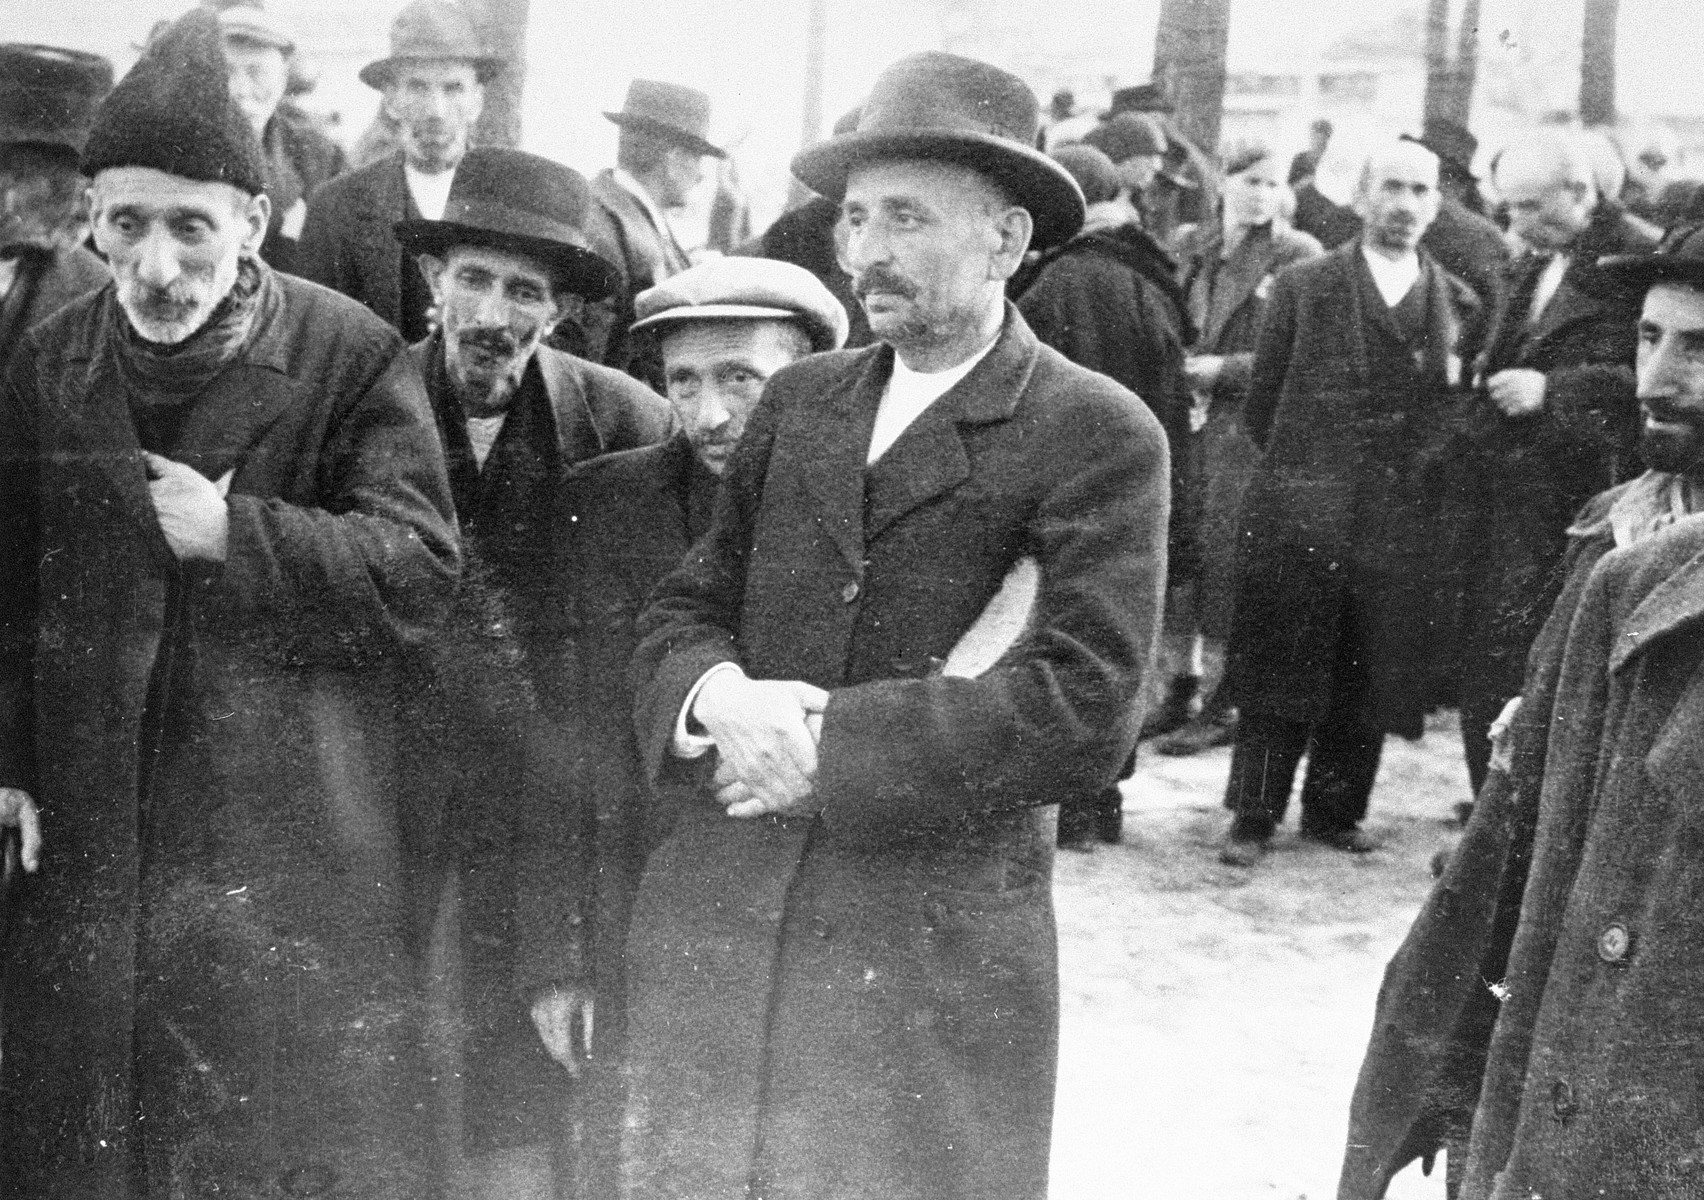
{"points": [[1452, 143], [431, 29], [943, 108], [670, 111], [48, 95], [514, 201], [745, 289], [1094, 172], [1678, 258], [1128, 135], [1141, 98]]}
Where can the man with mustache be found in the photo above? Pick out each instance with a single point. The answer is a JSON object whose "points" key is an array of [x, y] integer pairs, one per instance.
{"points": [[1541, 1021], [724, 328], [224, 520], [493, 720], [841, 966], [47, 100], [1336, 630], [433, 83], [1556, 420]]}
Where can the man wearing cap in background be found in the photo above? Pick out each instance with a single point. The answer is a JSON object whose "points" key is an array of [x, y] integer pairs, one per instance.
{"points": [[47, 99], [1185, 189], [659, 158], [1137, 147], [842, 966], [492, 720], [223, 519], [434, 85], [299, 158], [724, 328], [1543, 1021]]}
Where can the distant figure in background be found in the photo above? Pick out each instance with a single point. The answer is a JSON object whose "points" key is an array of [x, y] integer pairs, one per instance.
{"points": [[1136, 145], [1108, 299], [1463, 239], [47, 102], [1318, 215], [1306, 162], [1186, 188], [659, 159], [1228, 270], [433, 82], [299, 158]]}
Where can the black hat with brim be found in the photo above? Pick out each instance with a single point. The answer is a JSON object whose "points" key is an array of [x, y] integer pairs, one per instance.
{"points": [[522, 204], [939, 107], [1678, 258], [671, 112]]}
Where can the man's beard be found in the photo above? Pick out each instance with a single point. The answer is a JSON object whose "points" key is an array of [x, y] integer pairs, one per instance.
{"points": [[172, 314], [1676, 447], [486, 363]]}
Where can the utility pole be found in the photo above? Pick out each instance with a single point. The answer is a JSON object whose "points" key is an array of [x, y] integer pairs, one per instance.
{"points": [[1597, 62], [503, 27], [1189, 57]]}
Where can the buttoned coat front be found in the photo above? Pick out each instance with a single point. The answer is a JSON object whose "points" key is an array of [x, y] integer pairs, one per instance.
{"points": [[863, 1003]]}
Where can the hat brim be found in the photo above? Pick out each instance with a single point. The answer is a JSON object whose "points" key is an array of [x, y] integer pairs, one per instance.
{"points": [[822, 336], [377, 75], [671, 133], [574, 268], [1448, 159], [1042, 186], [1640, 272]]}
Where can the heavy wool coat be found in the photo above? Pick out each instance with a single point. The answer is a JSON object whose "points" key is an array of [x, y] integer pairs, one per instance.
{"points": [[622, 231], [1575, 889], [864, 1003], [210, 985], [45, 283], [1345, 503], [349, 246]]}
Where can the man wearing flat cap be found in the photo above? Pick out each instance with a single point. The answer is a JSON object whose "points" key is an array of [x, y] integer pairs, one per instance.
{"points": [[724, 328], [491, 721], [47, 100], [433, 82], [1543, 1022], [659, 159], [842, 966], [224, 518]]}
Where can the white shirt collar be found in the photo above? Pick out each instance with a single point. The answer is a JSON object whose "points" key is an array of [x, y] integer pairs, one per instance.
{"points": [[431, 193], [1394, 277], [909, 393]]}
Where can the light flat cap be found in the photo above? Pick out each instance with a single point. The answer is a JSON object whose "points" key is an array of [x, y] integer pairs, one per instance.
{"points": [[737, 288]]}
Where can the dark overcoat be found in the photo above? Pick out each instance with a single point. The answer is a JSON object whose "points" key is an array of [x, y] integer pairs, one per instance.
{"points": [[348, 244], [1535, 472], [46, 282], [210, 985], [1345, 504], [864, 1003]]}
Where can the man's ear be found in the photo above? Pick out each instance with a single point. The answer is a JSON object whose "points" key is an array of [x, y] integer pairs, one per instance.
{"points": [[1014, 227], [257, 214], [433, 268], [478, 103]]}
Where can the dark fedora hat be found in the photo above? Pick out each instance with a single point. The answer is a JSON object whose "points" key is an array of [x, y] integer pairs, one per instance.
{"points": [[1140, 98], [943, 108], [1451, 142], [670, 111], [432, 29], [1678, 258], [48, 96], [514, 201]]}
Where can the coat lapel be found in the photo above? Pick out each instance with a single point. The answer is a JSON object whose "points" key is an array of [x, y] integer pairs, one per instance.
{"points": [[1676, 603], [833, 440], [1239, 276], [104, 434]]}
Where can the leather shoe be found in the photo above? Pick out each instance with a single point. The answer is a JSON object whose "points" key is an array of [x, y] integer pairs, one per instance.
{"points": [[1353, 840], [1181, 703], [1203, 732], [1243, 851]]}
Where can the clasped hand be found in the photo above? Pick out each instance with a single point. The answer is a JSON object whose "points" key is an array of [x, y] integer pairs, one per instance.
{"points": [[191, 508], [18, 810], [1517, 391], [766, 734]]}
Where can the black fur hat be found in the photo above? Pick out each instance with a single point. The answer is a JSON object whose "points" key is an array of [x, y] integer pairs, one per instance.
{"points": [[173, 112]]}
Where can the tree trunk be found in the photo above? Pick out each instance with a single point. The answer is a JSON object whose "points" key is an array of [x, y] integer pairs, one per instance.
{"points": [[503, 27], [1597, 63], [1189, 59], [1450, 80], [1466, 64]]}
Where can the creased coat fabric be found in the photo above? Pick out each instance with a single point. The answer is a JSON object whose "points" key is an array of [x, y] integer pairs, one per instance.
{"points": [[1576, 888], [1347, 496], [864, 1004], [348, 244], [210, 986]]}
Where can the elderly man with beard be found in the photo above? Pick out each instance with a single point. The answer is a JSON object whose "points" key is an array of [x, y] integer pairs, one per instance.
{"points": [[47, 99], [842, 965], [433, 83], [1334, 638], [1542, 1021], [492, 723], [223, 518]]}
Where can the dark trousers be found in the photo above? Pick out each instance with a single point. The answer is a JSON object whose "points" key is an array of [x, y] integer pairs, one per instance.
{"points": [[1342, 748]]}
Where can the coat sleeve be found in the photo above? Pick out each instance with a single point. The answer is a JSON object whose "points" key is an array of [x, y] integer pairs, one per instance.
{"points": [[1591, 412], [1271, 362], [1059, 714], [374, 559], [19, 555]]}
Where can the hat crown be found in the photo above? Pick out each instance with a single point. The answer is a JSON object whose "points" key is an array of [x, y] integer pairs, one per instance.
{"points": [[938, 91], [665, 108], [1140, 98], [1450, 141], [512, 192], [435, 29], [48, 94]]}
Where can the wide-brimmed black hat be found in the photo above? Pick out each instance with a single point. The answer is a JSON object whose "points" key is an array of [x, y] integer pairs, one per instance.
{"points": [[671, 111], [1452, 143], [48, 95], [1678, 258], [943, 108], [1140, 98], [432, 29], [514, 201]]}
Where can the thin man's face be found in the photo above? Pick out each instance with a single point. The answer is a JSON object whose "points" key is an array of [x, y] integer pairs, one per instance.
{"points": [[1671, 379], [715, 371]]}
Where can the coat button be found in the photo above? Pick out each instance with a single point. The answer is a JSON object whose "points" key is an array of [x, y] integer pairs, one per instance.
{"points": [[819, 926], [1614, 943], [849, 593]]}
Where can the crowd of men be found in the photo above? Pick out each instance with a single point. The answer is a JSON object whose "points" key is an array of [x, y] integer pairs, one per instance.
{"points": [[492, 708]]}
